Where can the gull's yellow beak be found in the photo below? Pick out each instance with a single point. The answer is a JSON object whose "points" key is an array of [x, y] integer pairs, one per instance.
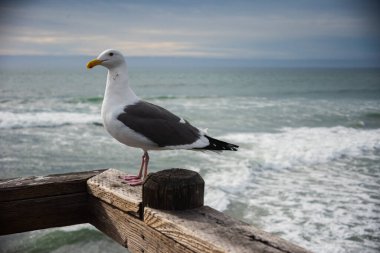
{"points": [[93, 63]]}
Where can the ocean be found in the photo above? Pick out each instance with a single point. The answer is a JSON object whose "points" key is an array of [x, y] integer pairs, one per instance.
{"points": [[308, 168]]}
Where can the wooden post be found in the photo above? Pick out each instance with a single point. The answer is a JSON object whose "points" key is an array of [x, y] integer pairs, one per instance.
{"points": [[173, 189]]}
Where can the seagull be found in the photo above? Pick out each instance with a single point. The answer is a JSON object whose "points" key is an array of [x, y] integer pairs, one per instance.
{"points": [[140, 124]]}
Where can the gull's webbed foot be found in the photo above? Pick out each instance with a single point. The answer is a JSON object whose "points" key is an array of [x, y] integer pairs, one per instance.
{"points": [[132, 180]]}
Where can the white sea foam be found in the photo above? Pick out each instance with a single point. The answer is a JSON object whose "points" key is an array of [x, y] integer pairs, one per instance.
{"points": [[76, 227], [306, 146], [216, 198], [44, 119], [291, 148], [299, 182]]}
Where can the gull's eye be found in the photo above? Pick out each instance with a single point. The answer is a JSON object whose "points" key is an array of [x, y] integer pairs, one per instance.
{"points": [[110, 54]]}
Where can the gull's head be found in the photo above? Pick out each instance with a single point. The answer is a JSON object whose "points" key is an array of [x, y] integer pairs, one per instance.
{"points": [[110, 58]]}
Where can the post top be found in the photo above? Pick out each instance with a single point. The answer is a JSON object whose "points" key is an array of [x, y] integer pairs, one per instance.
{"points": [[175, 176], [173, 189]]}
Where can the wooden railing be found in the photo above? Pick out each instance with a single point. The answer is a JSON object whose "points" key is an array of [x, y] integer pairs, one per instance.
{"points": [[102, 199]]}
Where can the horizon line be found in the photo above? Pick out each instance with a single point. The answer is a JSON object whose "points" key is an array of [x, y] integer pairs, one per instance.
{"points": [[203, 61]]}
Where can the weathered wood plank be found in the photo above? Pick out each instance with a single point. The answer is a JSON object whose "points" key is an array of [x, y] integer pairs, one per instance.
{"points": [[30, 203], [207, 230], [51, 185], [129, 231], [109, 187], [46, 212]]}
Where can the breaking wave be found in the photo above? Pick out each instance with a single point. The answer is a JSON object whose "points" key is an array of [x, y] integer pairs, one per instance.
{"points": [[45, 119], [306, 146], [324, 179]]}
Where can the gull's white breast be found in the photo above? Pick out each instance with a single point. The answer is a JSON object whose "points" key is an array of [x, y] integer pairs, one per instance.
{"points": [[121, 132]]}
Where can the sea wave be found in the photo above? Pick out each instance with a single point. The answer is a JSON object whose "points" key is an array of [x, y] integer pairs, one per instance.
{"points": [[374, 115], [306, 146], [320, 178], [301, 149], [91, 100], [45, 119]]}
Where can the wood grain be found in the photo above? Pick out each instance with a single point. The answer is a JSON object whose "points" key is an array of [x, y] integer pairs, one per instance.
{"points": [[173, 189], [207, 230], [129, 231], [46, 212], [40, 186], [30, 203], [109, 187]]}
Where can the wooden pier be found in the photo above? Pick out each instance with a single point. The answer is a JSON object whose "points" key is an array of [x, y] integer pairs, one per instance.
{"points": [[166, 214]]}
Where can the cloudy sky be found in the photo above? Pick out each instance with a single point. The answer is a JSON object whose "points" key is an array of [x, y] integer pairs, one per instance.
{"points": [[284, 30]]}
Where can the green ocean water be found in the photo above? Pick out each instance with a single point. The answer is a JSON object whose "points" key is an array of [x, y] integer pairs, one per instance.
{"points": [[307, 170]]}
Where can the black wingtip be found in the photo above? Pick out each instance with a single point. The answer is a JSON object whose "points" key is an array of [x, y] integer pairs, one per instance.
{"points": [[217, 145]]}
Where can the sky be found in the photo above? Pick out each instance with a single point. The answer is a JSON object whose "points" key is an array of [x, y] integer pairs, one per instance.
{"points": [[337, 30]]}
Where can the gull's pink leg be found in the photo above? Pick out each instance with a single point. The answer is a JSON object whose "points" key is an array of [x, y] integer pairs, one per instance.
{"points": [[146, 164], [145, 169], [132, 177]]}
